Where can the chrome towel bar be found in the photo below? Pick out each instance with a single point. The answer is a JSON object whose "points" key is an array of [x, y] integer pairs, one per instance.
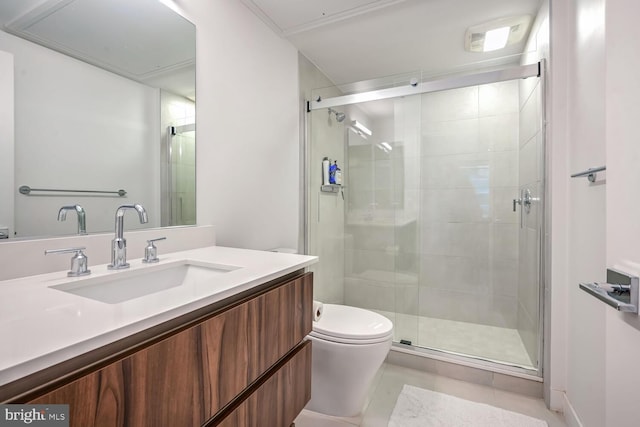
{"points": [[26, 190], [589, 173]]}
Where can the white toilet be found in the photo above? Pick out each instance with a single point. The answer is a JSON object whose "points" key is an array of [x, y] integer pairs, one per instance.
{"points": [[349, 345]]}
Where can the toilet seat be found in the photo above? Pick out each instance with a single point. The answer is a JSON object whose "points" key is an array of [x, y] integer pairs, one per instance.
{"points": [[351, 325]]}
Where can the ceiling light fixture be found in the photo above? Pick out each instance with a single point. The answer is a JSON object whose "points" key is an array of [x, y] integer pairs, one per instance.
{"points": [[362, 128], [357, 132], [497, 34], [382, 148], [496, 39]]}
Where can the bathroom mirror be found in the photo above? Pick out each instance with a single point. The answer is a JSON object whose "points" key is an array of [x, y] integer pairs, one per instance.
{"points": [[104, 101]]}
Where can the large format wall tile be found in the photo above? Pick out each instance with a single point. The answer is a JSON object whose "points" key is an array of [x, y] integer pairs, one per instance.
{"points": [[448, 105], [498, 133], [468, 230]]}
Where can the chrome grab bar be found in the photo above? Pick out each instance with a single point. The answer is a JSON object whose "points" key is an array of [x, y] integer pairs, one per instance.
{"points": [[599, 290], [589, 173], [620, 292], [26, 190]]}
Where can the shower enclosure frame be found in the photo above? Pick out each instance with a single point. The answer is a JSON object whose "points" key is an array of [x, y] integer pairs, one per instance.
{"points": [[447, 83], [172, 131]]}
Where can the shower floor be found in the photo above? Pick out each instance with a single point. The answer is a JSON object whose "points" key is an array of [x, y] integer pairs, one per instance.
{"points": [[502, 345]]}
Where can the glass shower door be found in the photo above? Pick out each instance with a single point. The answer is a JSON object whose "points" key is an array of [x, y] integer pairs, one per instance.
{"points": [[470, 235], [443, 198], [382, 211]]}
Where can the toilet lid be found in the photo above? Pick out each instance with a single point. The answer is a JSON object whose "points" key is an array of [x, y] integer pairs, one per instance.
{"points": [[353, 323]]}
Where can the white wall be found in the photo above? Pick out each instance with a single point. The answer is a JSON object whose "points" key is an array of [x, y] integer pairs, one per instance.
{"points": [[248, 132], [586, 375], [556, 212], [622, 338], [72, 119], [595, 53]]}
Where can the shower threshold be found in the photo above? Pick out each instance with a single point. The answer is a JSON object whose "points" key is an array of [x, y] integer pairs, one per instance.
{"points": [[482, 346]]}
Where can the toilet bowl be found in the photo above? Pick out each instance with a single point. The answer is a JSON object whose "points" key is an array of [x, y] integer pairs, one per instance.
{"points": [[349, 345]]}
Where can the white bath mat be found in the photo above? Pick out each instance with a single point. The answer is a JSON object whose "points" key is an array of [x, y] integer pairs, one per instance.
{"points": [[417, 407]]}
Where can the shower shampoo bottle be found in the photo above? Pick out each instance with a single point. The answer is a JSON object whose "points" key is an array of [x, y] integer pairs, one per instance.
{"points": [[325, 171], [332, 173], [338, 175]]}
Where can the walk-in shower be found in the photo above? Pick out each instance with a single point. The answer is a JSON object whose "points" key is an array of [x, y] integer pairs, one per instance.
{"points": [[439, 222]]}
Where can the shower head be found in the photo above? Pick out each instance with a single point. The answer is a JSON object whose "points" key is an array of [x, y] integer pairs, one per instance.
{"points": [[339, 116]]}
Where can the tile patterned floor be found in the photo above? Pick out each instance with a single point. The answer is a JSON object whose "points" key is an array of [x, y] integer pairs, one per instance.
{"points": [[388, 384], [488, 342]]}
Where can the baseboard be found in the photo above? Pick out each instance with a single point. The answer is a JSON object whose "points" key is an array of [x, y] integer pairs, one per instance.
{"points": [[570, 415], [556, 400]]}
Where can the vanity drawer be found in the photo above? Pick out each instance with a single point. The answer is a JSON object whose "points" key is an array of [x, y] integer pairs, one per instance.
{"points": [[187, 378], [243, 343], [279, 400]]}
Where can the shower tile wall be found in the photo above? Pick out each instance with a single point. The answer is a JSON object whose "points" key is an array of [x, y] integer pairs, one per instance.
{"points": [[325, 212], [468, 238], [531, 161]]}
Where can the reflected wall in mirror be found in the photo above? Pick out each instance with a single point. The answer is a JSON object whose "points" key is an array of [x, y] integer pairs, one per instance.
{"points": [[104, 99]]}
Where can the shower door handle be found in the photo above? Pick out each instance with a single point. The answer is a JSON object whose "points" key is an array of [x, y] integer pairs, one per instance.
{"points": [[516, 201], [525, 201]]}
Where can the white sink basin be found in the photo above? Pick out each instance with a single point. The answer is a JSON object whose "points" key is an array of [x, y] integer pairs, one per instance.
{"points": [[126, 285]]}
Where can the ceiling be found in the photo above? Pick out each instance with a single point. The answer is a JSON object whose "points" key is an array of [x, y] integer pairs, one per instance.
{"points": [[355, 40]]}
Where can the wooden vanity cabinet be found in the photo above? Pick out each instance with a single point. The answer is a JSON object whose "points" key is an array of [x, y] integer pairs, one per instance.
{"points": [[242, 366]]}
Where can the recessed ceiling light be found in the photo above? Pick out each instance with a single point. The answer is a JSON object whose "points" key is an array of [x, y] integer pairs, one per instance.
{"points": [[496, 39], [497, 34]]}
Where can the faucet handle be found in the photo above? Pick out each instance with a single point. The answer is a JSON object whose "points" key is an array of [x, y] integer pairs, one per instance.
{"points": [[79, 262], [151, 251]]}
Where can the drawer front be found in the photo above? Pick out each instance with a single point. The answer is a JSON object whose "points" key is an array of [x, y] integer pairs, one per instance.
{"points": [[243, 343], [187, 378], [279, 400]]}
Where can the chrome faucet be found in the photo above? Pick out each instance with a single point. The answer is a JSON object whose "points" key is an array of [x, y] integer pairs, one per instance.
{"points": [[82, 218], [119, 244]]}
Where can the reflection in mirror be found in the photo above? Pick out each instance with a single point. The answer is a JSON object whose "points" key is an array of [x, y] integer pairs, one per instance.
{"points": [[104, 100]]}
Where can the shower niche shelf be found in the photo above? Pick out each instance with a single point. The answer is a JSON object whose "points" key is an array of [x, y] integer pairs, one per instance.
{"points": [[331, 188]]}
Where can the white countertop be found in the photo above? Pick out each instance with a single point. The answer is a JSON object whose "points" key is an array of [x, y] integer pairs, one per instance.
{"points": [[41, 326]]}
